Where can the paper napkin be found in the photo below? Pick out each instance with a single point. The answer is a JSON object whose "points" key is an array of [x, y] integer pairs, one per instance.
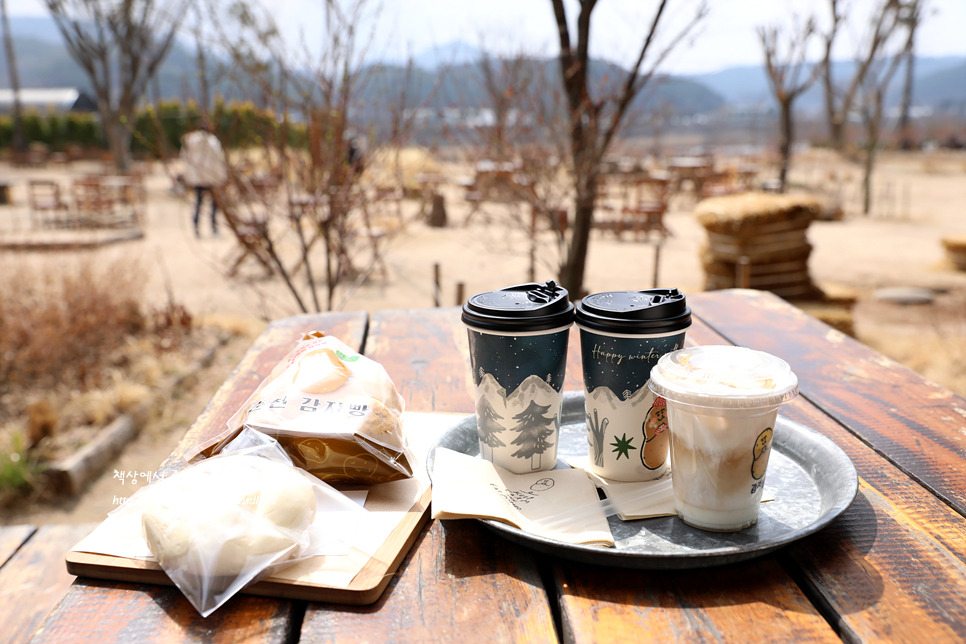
{"points": [[466, 487]]}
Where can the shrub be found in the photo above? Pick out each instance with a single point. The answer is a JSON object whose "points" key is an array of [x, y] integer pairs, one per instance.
{"points": [[58, 327]]}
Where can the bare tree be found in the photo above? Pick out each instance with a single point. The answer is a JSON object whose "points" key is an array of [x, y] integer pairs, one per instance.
{"points": [[19, 142], [910, 14], [201, 64], [299, 200], [871, 99], [785, 70], [119, 44], [528, 132], [840, 99], [594, 121]]}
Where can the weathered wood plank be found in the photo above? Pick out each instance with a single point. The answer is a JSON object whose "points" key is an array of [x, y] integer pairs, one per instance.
{"points": [[11, 538], [450, 584], [721, 604], [892, 567], [34, 580], [917, 424], [270, 347], [894, 564], [426, 354], [751, 602], [102, 612], [461, 583]]}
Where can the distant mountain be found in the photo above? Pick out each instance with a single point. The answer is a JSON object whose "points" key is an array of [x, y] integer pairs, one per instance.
{"points": [[454, 53], [741, 87], [935, 83], [44, 62], [41, 28], [945, 90]]}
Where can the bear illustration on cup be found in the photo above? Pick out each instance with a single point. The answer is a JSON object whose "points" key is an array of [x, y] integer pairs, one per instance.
{"points": [[762, 448], [655, 449]]}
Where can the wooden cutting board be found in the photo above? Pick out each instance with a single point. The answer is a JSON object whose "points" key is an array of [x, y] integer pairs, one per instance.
{"points": [[367, 585], [365, 588]]}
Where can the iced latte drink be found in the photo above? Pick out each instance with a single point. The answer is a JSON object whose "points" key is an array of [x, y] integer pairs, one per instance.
{"points": [[722, 404]]}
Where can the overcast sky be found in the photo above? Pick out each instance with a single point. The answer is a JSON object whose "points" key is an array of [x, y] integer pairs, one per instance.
{"points": [[725, 38]]}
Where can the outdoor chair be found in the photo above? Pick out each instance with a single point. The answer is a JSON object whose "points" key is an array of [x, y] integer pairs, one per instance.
{"points": [[47, 207], [92, 203], [644, 200], [718, 184]]}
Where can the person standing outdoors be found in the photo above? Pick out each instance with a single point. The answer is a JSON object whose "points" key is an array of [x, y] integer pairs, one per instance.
{"points": [[205, 169]]}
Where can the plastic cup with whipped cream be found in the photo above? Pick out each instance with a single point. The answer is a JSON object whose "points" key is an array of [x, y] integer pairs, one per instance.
{"points": [[722, 404]]}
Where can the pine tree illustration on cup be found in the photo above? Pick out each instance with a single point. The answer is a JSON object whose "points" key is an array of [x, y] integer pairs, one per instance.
{"points": [[534, 428], [488, 428], [597, 429]]}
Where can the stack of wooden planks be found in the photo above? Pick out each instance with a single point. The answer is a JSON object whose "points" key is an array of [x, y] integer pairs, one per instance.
{"points": [[758, 240]]}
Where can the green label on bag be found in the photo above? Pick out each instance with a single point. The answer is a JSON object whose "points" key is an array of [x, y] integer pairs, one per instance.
{"points": [[344, 358]]}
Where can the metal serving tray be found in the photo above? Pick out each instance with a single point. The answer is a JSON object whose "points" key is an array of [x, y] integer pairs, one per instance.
{"points": [[811, 477]]}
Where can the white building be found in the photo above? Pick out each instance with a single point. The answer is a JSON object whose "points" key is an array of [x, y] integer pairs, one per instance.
{"points": [[48, 100]]}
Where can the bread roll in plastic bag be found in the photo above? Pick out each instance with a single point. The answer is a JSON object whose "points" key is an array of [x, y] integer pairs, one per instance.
{"points": [[222, 523], [335, 411]]}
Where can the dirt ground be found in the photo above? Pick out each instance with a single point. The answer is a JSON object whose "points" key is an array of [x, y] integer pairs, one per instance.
{"points": [[919, 199]]}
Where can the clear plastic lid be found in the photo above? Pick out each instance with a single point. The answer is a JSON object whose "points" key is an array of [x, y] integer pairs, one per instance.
{"points": [[724, 376]]}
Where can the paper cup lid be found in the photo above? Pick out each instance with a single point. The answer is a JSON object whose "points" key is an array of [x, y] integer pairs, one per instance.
{"points": [[524, 307], [724, 376], [656, 310]]}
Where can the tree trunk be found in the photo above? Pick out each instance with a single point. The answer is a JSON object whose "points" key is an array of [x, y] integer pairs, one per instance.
{"points": [[905, 129], [785, 145], [836, 128], [118, 140], [572, 277], [873, 127], [867, 180], [19, 140], [202, 71]]}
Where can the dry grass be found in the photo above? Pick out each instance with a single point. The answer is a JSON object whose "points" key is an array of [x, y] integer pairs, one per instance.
{"points": [[745, 212], [929, 338], [59, 326], [79, 346]]}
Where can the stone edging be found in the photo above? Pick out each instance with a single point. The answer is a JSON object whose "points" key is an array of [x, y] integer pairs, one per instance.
{"points": [[72, 474]]}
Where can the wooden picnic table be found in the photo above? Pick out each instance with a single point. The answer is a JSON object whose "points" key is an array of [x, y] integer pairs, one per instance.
{"points": [[892, 568]]}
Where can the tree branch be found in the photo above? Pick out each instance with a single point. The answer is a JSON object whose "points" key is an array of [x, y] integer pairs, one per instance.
{"points": [[634, 83]]}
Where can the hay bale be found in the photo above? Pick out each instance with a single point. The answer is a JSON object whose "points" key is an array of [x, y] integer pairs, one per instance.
{"points": [[748, 212], [956, 251]]}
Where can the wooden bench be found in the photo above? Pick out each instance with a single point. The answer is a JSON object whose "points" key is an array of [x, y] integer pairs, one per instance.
{"points": [[33, 576]]}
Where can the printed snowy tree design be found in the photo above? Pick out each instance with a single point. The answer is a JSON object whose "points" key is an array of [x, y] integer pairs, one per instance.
{"points": [[597, 430], [534, 428], [486, 423]]}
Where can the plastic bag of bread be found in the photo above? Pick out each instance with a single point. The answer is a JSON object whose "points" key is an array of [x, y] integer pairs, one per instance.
{"points": [[223, 522], [335, 411]]}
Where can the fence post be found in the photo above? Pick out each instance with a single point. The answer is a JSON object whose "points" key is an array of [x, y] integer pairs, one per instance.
{"points": [[743, 272], [436, 285]]}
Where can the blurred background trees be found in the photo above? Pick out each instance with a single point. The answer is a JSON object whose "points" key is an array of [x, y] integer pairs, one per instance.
{"points": [[120, 46]]}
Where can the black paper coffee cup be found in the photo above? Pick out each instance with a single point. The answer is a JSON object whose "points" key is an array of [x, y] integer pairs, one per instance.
{"points": [[622, 336], [518, 340]]}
